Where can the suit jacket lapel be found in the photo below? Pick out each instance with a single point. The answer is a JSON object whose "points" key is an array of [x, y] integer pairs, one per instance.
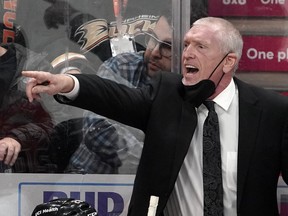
{"points": [[176, 150], [249, 116], [186, 129]]}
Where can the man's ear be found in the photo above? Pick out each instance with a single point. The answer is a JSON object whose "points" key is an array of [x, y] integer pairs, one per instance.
{"points": [[230, 62]]}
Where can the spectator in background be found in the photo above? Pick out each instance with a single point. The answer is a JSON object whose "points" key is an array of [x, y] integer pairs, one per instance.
{"points": [[108, 146], [25, 127], [111, 147]]}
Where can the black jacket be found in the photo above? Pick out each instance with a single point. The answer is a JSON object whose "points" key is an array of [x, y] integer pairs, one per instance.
{"points": [[28, 123], [169, 121]]}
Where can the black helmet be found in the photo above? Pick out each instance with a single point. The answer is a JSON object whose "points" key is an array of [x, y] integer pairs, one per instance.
{"points": [[64, 207]]}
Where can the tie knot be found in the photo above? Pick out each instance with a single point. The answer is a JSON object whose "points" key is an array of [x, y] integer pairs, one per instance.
{"points": [[210, 105]]}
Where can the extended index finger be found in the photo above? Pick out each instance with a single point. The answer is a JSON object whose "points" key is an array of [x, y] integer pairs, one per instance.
{"points": [[36, 78], [39, 76]]}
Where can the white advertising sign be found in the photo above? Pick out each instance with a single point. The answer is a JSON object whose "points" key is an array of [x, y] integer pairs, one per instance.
{"points": [[108, 194], [21, 193]]}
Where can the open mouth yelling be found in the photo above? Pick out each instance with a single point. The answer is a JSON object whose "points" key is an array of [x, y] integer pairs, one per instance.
{"points": [[191, 69]]}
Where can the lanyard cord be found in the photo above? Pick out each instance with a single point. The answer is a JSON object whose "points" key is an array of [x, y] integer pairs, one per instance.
{"points": [[119, 8]]}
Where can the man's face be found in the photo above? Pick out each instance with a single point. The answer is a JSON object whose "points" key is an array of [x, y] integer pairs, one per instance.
{"points": [[201, 55], [155, 61]]}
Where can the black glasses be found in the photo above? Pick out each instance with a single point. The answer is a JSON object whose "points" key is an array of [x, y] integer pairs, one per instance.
{"points": [[151, 41]]}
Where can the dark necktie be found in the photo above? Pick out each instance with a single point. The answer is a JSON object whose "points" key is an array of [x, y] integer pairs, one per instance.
{"points": [[212, 171]]}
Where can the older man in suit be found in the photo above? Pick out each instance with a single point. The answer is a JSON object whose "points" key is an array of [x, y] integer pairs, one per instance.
{"points": [[253, 126]]}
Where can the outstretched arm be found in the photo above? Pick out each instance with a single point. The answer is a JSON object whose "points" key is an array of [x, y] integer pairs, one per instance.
{"points": [[45, 82]]}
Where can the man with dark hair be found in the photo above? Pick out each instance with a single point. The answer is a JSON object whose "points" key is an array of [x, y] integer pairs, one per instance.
{"points": [[108, 146]]}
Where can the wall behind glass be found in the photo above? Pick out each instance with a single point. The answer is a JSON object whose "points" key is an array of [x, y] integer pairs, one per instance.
{"points": [[263, 25]]}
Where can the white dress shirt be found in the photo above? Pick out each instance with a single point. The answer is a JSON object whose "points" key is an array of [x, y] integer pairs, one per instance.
{"points": [[187, 196], [75, 91]]}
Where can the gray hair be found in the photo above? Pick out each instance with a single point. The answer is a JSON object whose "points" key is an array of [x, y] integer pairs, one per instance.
{"points": [[230, 39]]}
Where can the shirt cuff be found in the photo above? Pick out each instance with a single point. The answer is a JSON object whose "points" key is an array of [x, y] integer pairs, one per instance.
{"points": [[75, 91]]}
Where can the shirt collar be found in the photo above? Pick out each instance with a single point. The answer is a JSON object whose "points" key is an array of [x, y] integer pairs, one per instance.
{"points": [[224, 99]]}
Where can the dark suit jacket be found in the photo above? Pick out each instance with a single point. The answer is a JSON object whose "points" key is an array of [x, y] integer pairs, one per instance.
{"points": [[169, 122]]}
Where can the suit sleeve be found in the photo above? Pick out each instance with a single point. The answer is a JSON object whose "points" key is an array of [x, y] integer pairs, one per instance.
{"points": [[129, 106]]}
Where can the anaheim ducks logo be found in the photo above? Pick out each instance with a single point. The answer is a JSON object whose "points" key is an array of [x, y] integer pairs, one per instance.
{"points": [[94, 32]]}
